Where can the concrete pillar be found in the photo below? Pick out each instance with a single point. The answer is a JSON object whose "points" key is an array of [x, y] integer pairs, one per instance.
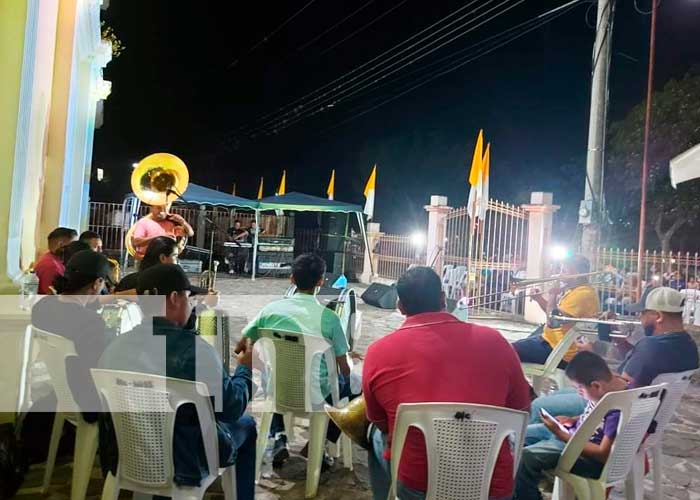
{"points": [[539, 237], [437, 223], [373, 235]]}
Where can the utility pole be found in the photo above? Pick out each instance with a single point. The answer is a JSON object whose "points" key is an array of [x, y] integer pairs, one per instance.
{"points": [[591, 209], [645, 158]]}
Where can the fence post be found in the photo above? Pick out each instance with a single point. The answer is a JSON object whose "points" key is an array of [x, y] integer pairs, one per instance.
{"points": [[437, 222], [373, 236], [539, 236], [200, 231]]}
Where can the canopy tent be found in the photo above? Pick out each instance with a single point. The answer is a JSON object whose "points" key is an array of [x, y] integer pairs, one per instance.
{"points": [[205, 196], [685, 166], [300, 202]]}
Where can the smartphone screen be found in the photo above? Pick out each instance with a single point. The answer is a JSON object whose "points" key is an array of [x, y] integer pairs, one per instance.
{"points": [[548, 416]]}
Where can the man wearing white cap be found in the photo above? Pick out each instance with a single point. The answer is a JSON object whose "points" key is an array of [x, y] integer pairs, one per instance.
{"points": [[665, 348]]}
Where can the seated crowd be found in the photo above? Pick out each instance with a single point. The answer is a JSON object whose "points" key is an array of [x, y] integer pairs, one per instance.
{"points": [[431, 357]]}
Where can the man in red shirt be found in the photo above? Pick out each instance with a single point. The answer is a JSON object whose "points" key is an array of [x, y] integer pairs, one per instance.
{"points": [[50, 265], [434, 357]]}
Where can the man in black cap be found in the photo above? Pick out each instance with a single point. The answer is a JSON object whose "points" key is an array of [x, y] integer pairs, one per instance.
{"points": [[167, 348]]}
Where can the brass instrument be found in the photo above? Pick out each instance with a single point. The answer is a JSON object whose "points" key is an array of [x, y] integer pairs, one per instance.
{"points": [[155, 181], [526, 283], [352, 420]]}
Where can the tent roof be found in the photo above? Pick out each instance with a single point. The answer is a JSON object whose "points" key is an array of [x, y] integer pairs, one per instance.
{"points": [[306, 203], [685, 166], [205, 196]]}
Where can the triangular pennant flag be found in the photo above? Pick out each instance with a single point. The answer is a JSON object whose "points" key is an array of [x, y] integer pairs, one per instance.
{"points": [[282, 190], [260, 189], [485, 167], [369, 193], [475, 174], [331, 186]]}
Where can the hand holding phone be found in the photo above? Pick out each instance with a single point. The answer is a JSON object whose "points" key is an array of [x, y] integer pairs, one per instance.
{"points": [[546, 415]]}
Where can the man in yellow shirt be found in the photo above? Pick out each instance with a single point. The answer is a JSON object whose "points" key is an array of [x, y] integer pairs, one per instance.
{"points": [[580, 300]]}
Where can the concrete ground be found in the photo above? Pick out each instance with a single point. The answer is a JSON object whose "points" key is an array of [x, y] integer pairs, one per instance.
{"points": [[243, 298]]}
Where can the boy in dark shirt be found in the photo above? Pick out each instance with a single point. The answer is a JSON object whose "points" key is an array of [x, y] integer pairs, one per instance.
{"points": [[545, 442]]}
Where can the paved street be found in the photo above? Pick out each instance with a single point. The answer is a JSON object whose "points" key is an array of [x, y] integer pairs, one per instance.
{"points": [[243, 298]]}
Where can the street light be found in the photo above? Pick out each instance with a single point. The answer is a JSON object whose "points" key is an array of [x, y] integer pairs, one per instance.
{"points": [[418, 239], [134, 165]]}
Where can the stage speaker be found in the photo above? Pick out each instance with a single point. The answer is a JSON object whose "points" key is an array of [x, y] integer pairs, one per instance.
{"points": [[334, 262], [330, 278], [382, 296], [333, 232]]}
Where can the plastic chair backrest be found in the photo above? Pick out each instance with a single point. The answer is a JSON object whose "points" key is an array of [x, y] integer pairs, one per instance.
{"points": [[295, 360], [52, 350], [676, 385], [463, 442], [447, 274], [559, 351], [143, 409], [637, 410]]}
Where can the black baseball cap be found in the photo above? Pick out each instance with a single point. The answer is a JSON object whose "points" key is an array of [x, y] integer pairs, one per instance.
{"points": [[163, 279], [90, 264]]}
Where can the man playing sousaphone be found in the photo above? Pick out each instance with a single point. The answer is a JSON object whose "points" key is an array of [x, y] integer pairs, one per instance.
{"points": [[159, 222]]}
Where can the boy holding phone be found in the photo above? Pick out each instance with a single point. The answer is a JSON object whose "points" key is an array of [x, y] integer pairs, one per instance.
{"points": [[545, 442]]}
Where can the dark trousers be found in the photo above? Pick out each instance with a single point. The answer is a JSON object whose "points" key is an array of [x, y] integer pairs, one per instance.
{"points": [[244, 437], [533, 349], [333, 432], [236, 259]]}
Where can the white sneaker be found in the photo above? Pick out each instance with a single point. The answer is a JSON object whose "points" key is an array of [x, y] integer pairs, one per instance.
{"points": [[230, 271]]}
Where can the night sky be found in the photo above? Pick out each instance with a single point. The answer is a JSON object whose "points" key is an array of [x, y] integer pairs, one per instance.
{"points": [[194, 77]]}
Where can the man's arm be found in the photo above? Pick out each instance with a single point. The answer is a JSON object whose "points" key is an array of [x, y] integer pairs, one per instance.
{"points": [[343, 366], [180, 221]]}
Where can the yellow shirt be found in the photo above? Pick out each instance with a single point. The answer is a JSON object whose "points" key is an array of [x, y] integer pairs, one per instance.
{"points": [[579, 302]]}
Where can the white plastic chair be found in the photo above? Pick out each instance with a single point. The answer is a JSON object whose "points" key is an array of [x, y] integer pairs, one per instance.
{"points": [[676, 385], [52, 350], [462, 442], [550, 369], [690, 308], [294, 388], [637, 410], [143, 409]]}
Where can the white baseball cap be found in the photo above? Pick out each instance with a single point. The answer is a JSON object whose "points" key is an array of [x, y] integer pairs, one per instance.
{"points": [[664, 299]]}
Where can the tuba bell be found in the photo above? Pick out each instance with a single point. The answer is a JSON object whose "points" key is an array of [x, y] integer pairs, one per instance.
{"points": [[352, 420], [157, 180]]}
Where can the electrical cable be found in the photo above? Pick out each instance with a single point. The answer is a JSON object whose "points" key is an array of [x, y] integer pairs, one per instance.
{"points": [[284, 122], [644, 12], [444, 72], [267, 37], [295, 102], [325, 32]]}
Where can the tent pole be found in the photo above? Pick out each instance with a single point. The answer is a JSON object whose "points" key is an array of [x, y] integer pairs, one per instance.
{"points": [[255, 246], [345, 240], [364, 237]]}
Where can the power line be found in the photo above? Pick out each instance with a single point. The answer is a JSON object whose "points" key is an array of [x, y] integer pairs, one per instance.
{"points": [[267, 37], [325, 32], [362, 28], [455, 67], [323, 87], [288, 118]]}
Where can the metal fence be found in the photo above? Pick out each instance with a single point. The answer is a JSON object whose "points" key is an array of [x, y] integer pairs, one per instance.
{"points": [[679, 270], [394, 254], [482, 258]]}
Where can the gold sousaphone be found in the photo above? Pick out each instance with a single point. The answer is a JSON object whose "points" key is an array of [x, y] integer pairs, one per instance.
{"points": [[157, 180], [352, 420]]}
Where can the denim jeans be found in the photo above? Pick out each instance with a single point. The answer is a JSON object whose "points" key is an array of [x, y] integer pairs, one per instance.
{"points": [[562, 402], [244, 436], [380, 472], [533, 349], [542, 452]]}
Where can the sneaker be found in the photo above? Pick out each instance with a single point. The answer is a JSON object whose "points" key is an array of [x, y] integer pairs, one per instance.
{"points": [[230, 271], [280, 453], [327, 462]]}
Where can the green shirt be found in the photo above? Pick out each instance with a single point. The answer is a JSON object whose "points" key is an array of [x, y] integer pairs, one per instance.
{"points": [[301, 313]]}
